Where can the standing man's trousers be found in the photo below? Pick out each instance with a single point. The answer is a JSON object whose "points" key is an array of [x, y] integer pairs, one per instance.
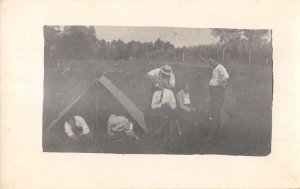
{"points": [[217, 95]]}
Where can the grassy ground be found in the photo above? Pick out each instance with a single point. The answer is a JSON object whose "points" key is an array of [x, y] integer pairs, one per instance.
{"points": [[247, 111]]}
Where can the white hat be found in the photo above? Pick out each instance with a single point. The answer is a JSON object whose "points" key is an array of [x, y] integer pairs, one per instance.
{"points": [[166, 70]]}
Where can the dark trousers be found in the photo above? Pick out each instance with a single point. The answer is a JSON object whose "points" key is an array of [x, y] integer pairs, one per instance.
{"points": [[158, 120], [217, 95], [186, 119]]}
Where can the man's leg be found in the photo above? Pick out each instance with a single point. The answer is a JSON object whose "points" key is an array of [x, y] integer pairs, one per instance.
{"points": [[188, 119], [219, 103], [158, 120], [213, 109], [214, 98], [193, 118], [168, 114], [150, 120], [211, 98]]}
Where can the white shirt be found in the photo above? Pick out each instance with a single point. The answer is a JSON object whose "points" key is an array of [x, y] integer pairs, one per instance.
{"points": [[186, 99], [155, 74], [118, 124], [79, 123], [219, 76], [168, 97]]}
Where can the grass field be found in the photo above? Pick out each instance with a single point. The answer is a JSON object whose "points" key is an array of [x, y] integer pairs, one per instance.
{"points": [[247, 111]]}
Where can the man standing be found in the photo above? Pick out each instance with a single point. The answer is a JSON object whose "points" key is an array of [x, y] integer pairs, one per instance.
{"points": [[163, 77], [217, 85]]}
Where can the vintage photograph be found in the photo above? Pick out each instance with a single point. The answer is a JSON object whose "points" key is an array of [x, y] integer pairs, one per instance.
{"points": [[157, 90]]}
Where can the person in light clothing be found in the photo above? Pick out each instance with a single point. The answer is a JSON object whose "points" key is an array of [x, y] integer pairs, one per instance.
{"points": [[217, 86], [183, 98], [118, 125], [163, 98], [186, 112], [163, 77], [162, 107], [75, 127]]}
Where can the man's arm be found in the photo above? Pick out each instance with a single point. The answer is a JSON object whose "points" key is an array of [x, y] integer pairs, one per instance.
{"points": [[172, 81], [224, 75], [84, 126], [172, 100], [109, 131], [68, 130], [85, 129], [152, 74]]}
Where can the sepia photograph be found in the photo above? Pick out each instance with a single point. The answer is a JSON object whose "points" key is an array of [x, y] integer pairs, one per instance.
{"points": [[143, 94], [157, 90]]}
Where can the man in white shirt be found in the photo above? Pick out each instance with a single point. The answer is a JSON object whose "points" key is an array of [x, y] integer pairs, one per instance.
{"points": [[161, 77], [75, 127], [117, 125], [217, 85], [162, 106], [163, 98]]}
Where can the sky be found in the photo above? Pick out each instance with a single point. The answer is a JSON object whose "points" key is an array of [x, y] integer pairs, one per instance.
{"points": [[177, 36]]}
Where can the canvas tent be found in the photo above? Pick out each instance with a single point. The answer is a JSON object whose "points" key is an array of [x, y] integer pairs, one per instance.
{"points": [[95, 104]]}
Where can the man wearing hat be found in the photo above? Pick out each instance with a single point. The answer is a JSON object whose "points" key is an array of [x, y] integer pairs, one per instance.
{"points": [[217, 85], [163, 77]]}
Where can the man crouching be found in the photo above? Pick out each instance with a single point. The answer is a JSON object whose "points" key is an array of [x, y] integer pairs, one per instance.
{"points": [[119, 125], [78, 134], [75, 127]]}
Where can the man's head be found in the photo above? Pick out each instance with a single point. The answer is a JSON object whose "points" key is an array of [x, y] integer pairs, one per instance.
{"points": [[70, 118], [186, 87], [166, 71], [213, 63]]}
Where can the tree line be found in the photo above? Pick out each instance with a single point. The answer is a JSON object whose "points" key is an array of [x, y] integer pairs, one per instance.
{"points": [[81, 42]]}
